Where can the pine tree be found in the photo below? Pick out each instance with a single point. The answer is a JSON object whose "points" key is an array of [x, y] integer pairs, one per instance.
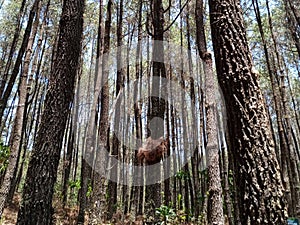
{"points": [[36, 206], [259, 187]]}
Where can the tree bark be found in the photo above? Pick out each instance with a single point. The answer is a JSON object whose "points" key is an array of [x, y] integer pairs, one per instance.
{"points": [[15, 139], [215, 187], [36, 206], [259, 187], [112, 186]]}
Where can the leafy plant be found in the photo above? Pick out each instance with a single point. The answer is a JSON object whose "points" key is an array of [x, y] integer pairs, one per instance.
{"points": [[74, 184], [166, 213], [90, 190]]}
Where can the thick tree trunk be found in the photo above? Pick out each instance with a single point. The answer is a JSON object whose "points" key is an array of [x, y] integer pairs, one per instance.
{"points": [[284, 150], [36, 207], [259, 184]]}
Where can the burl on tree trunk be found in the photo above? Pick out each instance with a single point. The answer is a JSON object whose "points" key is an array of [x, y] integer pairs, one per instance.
{"points": [[152, 151]]}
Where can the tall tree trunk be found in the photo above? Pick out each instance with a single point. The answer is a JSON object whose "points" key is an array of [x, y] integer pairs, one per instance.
{"points": [[112, 186], [284, 151], [214, 187], [15, 139], [12, 49], [36, 206], [294, 179], [100, 162], [32, 112], [89, 153], [259, 187], [15, 71], [103, 123], [156, 105], [138, 194]]}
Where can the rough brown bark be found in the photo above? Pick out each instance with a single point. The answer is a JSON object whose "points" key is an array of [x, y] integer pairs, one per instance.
{"points": [[284, 151], [36, 206], [214, 188], [294, 179], [259, 184]]}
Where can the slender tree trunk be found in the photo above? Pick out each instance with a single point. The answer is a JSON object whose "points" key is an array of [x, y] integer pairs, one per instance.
{"points": [[32, 98], [89, 154], [138, 194], [212, 149], [285, 162], [12, 49], [294, 179], [15, 71], [98, 190], [112, 186], [15, 139], [67, 163]]}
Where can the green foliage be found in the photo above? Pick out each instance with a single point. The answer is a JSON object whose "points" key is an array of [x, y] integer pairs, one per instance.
{"points": [[74, 184], [90, 190], [166, 213], [169, 215], [4, 155]]}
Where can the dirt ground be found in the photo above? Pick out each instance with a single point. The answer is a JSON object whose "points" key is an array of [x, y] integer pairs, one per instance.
{"points": [[10, 213], [65, 216]]}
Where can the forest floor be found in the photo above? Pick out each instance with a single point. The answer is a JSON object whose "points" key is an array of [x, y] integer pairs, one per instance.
{"points": [[65, 216], [10, 213]]}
